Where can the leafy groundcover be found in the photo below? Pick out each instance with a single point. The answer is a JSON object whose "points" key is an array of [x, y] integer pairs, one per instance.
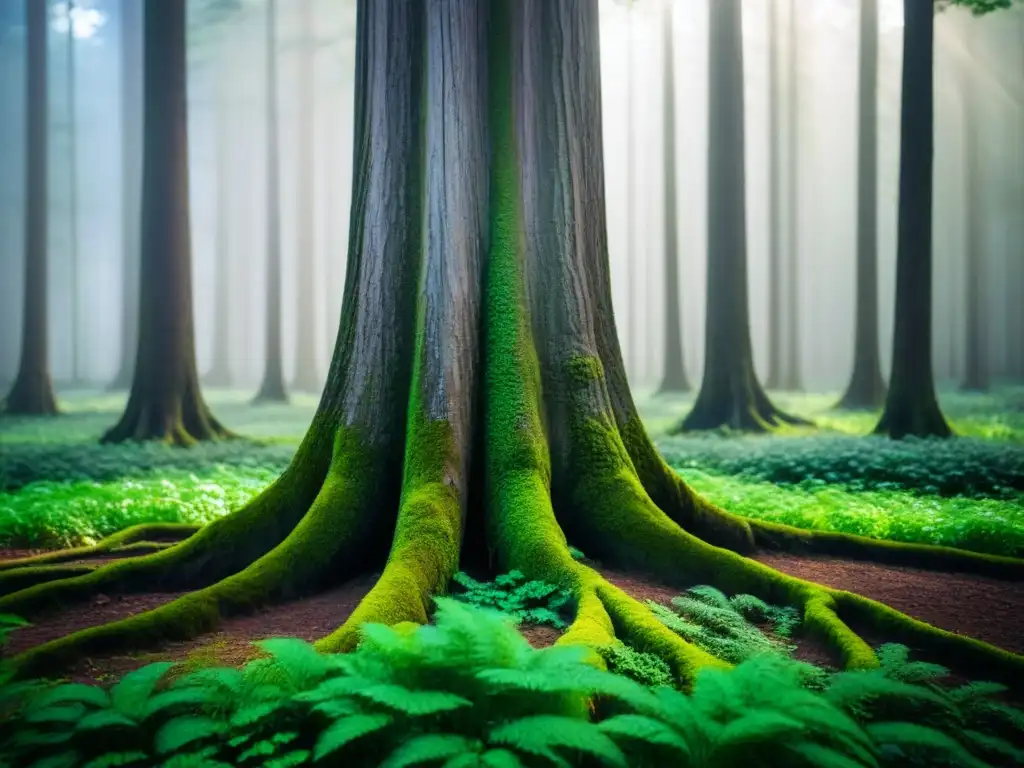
{"points": [[468, 690]]}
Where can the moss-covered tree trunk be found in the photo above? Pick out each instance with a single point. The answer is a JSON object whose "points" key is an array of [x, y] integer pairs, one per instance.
{"points": [[730, 394], [32, 391], [866, 389], [477, 403], [272, 387], [674, 378], [131, 184], [307, 377], [911, 406], [165, 402]]}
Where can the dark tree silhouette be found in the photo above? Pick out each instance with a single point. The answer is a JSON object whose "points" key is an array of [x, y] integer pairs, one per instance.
{"points": [[674, 379], [272, 388], [477, 403], [730, 394], [866, 389], [32, 391], [165, 402]]}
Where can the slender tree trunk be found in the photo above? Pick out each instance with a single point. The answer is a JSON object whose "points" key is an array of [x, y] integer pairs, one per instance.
{"points": [[774, 379], [131, 184], [165, 402], [791, 379], [76, 369], [32, 391], [220, 371], [976, 373], [632, 338], [272, 388], [675, 379], [307, 377], [730, 394], [911, 407], [866, 388]]}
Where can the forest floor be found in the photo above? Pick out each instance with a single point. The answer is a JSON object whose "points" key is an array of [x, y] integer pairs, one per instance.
{"points": [[59, 488]]}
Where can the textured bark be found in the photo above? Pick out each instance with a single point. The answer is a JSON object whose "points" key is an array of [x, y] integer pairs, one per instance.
{"points": [[165, 402], [219, 374], [911, 407], [73, 308], [477, 380], [32, 391], [131, 183], [976, 374], [674, 379], [307, 377], [774, 378], [866, 389], [791, 379], [272, 387], [632, 339], [730, 394]]}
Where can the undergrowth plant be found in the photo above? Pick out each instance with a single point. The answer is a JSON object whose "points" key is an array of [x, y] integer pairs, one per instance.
{"points": [[470, 691], [726, 627], [530, 602]]}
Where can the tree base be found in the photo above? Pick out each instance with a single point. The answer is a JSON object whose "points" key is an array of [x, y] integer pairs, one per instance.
{"points": [[863, 394], [743, 407], [181, 421], [271, 391], [30, 395], [913, 417]]}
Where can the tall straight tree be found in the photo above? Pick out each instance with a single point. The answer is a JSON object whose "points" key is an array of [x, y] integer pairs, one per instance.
{"points": [[307, 378], [131, 184], [32, 391], [165, 402], [791, 379], [477, 403], [674, 379], [774, 378], [866, 389], [73, 304], [272, 387], [730, 394]]}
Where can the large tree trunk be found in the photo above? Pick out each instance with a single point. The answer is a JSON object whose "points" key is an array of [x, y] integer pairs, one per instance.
{"points": [[774, 378], [131, 183], [911, 407], [791, 379], [477, 404], [307, 377], [976, 375], [73, 293], [674, 379], [219, 374], [32, 391], [272, 388], [165, 402], [866, 389], [730, 394]]}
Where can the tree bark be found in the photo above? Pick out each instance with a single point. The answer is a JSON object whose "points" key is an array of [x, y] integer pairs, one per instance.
{"points": [[131, 182], [477, 402], [774, 378], [73, 304], [165, 402], [730, 395], [32, 391], [219, 374], [911, 406], [307, 377], [674, 379], [866, 389], [272, 388], [791, 379]]}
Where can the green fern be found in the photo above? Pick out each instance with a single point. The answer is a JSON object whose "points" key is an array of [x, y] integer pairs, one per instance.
{"points": [[431, 747], [346, 730], [645, 668], [544, 734], [531, 602]]}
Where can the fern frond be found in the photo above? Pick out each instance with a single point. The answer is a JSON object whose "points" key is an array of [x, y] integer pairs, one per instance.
{"points": [[115, 759], [346, 730], [501, 758], [430, 747], [812, 755], [914, 739], [91, 695], [988, 746], [412, 703], [645, 729], [66, 759], [104, 718], [131, 692], [186, 698], [289, 759], [541, 734], [59, 713], [187, 729], [298, 660]]}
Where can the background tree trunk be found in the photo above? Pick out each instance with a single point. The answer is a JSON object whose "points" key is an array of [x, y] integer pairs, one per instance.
{"points": [[165, 402], [32, 391], [866, 388], [791, 375], [220, 370], [307, 377], [74, 331], [774, 378], [675, 379], [131, 184], [730, 394], [911, 407], [272, 388]]}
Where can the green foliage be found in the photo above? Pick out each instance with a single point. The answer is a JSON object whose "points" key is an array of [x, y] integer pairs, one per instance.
{"points": [[725, 627], [531, 602], [646, 668]]}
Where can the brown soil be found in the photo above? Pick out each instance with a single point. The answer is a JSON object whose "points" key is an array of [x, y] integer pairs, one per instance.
{"points": [[984, 608]]}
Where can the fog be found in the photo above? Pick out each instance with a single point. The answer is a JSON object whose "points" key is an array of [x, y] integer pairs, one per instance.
{"points": [[979, 76]]}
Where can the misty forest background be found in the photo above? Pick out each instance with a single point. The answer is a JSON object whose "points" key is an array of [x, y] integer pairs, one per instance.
{"points": [[95, 169]]}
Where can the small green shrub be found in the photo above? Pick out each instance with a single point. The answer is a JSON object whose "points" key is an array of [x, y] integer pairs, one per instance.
{"points": [[531, 602], [646, 668]]}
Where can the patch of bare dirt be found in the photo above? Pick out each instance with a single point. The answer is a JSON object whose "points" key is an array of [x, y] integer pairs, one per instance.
{"points": [[539, 635]]}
